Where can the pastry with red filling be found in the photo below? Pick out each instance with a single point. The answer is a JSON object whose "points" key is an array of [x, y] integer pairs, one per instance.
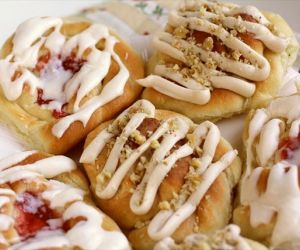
{"points": [[60, 78], [269, 200], [37, 213]]}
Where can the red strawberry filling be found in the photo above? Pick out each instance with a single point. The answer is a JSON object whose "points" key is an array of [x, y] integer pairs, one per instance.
{"points": [[289, 149], [32, 214], [47, 67], [72, 63]]}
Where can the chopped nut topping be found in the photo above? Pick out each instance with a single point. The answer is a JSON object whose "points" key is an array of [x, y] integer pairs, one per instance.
{"points": [[104, 177], [191, 138], [273, 28], [122, 158], [236, 55], [180, 32], [210, 63], [127, 150], [196, 163], [137, 137], [122, 122], [202, 11], [143, 159], [110, 128], [154, 144], [176, 45], [140, 166], [173, 124], [135, 178], [219, 30], [164, 205], [191, 40], [233, 32], [208, 43], [176, 67], [165, 162], [199, 151], [241, 28]]}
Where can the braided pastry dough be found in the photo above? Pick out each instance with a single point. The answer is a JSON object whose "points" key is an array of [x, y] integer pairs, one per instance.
{"points": [[216, 59], [61, 78], [37, 213], [270, 195], [158, 174]]}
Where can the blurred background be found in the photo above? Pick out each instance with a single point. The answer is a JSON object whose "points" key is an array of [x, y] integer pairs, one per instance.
{"points": [[12, 12]]}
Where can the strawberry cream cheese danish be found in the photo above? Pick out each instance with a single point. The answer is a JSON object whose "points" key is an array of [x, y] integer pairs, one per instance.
{"points": [[36, 213], [60, 78]]}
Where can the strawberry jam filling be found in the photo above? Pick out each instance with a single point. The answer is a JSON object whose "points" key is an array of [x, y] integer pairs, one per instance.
{"points": [[72, 63], [32, 215], [49, 68], [289, 150]]}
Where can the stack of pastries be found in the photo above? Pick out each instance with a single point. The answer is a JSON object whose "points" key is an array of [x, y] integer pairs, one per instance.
{"points": [[155, 172]]}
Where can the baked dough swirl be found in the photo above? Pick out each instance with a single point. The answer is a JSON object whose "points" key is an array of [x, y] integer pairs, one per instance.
{"points": [[145, 152], [37, 213], [208, 46], [63, 75], [269, 197]]}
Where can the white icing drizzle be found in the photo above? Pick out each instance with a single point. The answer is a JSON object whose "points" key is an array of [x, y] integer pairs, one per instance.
{"points": [[43, 239], [86, 234], [232, 74], [282, 194], [162, 160], [48, 167], [90, 153], [58, 84], [228, 238], [15, 158]]}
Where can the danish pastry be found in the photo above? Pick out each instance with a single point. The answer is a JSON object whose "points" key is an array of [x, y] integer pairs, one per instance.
{"points": [[60, 78], [228, 238], [217, 59], [269, 195], [37, 213], [157, 174]]}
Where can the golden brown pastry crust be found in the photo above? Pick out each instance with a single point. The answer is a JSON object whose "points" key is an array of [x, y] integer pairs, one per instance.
{"points": [[33, 124], [225, 103], [214, 211]]}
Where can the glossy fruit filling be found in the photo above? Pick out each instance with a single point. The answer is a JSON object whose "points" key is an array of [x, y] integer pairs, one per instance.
{"points": [[32, 215], [55, 71], [289, 149]]}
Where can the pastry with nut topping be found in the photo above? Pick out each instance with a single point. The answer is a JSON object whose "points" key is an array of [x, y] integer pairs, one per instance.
{"points": [[157, 174], [215, 59]]}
